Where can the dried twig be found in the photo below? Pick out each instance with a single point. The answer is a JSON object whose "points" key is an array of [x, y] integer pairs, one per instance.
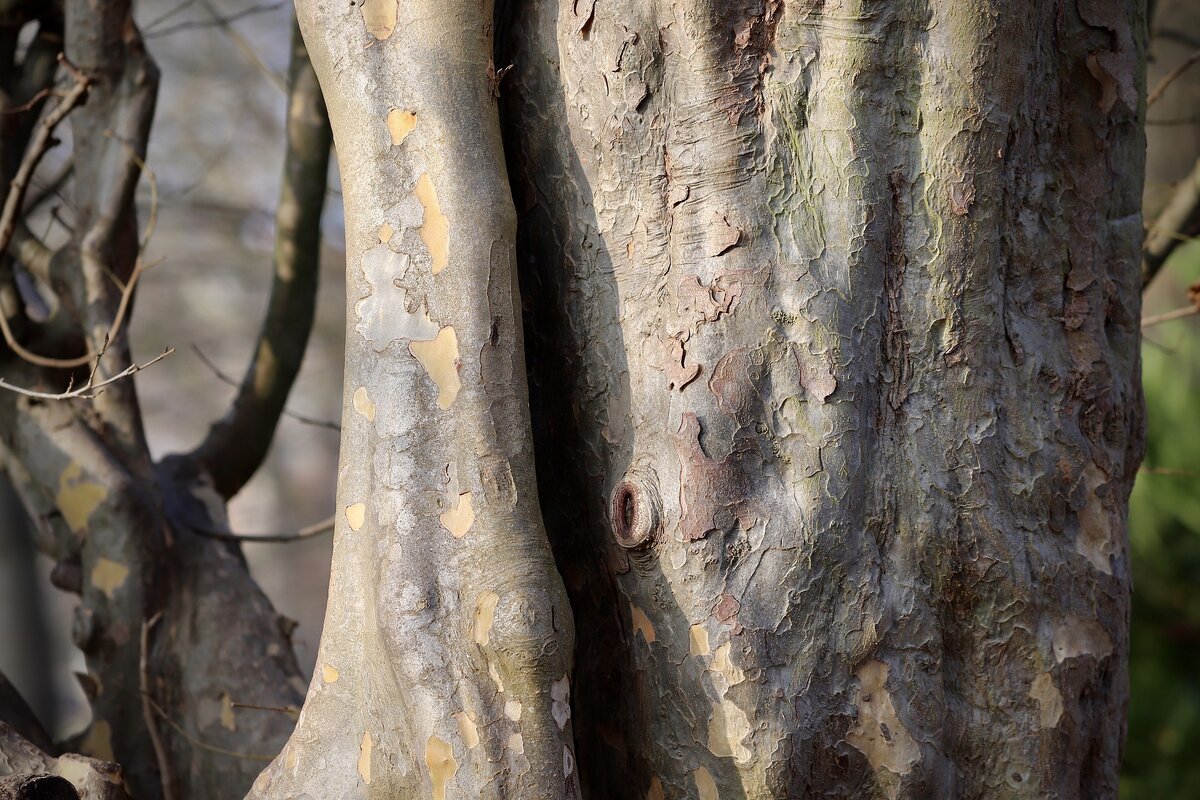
{"points": [[90, 389], [1179, 216], [310, 532], [1179, 313], [291, 711], [218, 20], [160, 751], [212, 748], [1161, 87], [225, 378]]}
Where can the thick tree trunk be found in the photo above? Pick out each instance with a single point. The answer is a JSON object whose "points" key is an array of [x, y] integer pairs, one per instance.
{"points": [[833, 327]]}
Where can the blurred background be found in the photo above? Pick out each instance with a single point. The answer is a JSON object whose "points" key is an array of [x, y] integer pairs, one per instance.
{"points": [[217, 151]]}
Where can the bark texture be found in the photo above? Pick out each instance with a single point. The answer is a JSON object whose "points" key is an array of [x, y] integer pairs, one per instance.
{"points": [[444, 664], [833, 335]]}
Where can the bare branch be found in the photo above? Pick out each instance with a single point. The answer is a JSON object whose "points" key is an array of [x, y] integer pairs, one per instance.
{"points": [[237, 444], [1179, 313], [1175, 224], [91, 389], [312, 531], [1161, 87], [160, 751], [218, 21], [220, 375]]}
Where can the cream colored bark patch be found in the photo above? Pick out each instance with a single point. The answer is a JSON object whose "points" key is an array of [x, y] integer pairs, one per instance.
{"points": [[560, 701], [723, 666], [642, 624], [1075, 637], [1095, 540], [98, 742], [698, 641], [364, 757], [1049, 700], [329, 674], [228, 721], [459, 519], [468, 731], [727, 727], [380, 17], [385, 233], [879, 734], [512, 710], [440, 360], [363, 404], [439, 758], [400, 124], [388, 314], [516, 743], [485, 614], [78, 497], [356, 515], [655, 792], [706, 787], [435, 230], [109, 575]]}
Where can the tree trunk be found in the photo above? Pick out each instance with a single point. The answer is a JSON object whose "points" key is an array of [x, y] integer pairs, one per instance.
{"points": [[833, 322]]}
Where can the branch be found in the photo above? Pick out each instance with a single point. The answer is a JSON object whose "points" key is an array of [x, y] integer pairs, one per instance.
{"points": [[220, 375], [311, 532], [1178, 217], [91, 389], [237, 444], [160, 751], [1161, 87]]}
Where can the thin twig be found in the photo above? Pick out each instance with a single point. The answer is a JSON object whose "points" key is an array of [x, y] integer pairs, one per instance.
{"points": [[90, 389], [160, 752], [291, 711], [312, 531], [228, 380], [202, 744], [1170, 471], [1161, 87], [217, 21], [1179, 313]]}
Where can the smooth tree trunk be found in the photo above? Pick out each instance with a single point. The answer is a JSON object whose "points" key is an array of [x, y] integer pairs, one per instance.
{"points": [[832, 315]]}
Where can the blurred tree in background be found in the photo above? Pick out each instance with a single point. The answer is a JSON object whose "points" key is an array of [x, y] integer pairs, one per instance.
{"points": [[1164, 529]]}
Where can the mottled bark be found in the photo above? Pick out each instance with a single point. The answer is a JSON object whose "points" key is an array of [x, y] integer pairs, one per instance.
{"points": [[836, 305], [444, 663]]}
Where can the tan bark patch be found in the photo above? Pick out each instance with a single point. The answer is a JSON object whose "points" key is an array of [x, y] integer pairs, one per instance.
{"points": [[439, 758], [724, 667], [512, 710], [727, 727], [440, 360], [400, 124], [435, 230], [698, 641], [1095, 539], [706, 787], [879, 734], [109, 575], [485, 614], [642, 624], [364, 757], [78, 497], [385, 233], [655, 792], [459, 519], [1076, 637], [363, 404], [380, 17], [228, 720], [329, 674], [1049, 699], [721, 237], [356, 515], [468, 731]]}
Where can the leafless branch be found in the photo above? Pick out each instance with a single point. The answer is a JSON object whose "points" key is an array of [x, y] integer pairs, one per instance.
{"points": [[1175, 223], [192, 740], [92, 388], [218, 20], [237, 444], [312, 531], [38, 145], [1161, 87], [160, 751], [228, 380]]}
